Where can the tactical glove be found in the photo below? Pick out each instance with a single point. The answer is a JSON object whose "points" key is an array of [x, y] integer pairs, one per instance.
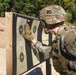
{"points": [[59, 62], [27, 33]]}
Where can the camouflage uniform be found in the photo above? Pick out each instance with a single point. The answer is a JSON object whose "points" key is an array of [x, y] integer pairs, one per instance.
{"points": [[61, 58], [64, 46], [63, 52]]}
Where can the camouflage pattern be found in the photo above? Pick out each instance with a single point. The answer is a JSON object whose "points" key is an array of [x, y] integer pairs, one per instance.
{"points": [[60, 64], [64, 38], [43, 49], [53, 14], [68, 39], [72, 64], [70, 43]]}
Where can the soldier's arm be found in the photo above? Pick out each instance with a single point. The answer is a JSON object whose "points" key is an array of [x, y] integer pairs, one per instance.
{"points": [[38, 45]]}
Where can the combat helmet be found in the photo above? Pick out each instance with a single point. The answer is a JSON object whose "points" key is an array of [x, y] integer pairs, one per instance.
{"points": [[52, 14]]}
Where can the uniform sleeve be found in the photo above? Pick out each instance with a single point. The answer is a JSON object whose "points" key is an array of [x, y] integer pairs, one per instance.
{"points": [[72, 65], [43, 49]]}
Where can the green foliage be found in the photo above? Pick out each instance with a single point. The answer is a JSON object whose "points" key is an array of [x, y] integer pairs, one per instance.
{"points": [[68, 16], [2, 9], [32, 7]]}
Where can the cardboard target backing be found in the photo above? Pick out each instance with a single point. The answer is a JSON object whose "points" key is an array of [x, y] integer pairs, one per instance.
{"points": [[20, 46], [24, 58]]}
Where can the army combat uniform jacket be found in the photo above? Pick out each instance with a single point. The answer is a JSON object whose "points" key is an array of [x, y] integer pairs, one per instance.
{"points": [[62, 50]]}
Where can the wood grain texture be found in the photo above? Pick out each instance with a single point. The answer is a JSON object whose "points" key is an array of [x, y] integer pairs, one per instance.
{"points": [[8, 32]]}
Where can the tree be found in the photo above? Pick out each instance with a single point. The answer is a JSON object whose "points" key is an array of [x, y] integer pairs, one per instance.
{"points": [[32, 7]]}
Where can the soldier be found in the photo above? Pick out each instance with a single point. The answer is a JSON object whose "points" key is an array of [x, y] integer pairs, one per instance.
{"points": [[63, 45]]}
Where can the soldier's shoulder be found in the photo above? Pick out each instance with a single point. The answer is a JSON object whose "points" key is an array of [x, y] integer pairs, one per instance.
{"points": [[66, 28], [70, 25]]}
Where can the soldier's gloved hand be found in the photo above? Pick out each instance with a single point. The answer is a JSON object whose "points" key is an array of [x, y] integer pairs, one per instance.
{"points": [[27, 33], [59, 62]]}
